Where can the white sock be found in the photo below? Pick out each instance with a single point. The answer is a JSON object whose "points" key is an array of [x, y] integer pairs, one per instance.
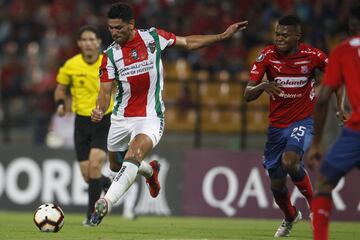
{"points": [[121, 183], [145, 169]]}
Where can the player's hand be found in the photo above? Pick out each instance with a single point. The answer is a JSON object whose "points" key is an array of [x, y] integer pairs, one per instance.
{"points": [[313, 156], [97, 114], [233, 28], [272, 88], [61, 110], [342, 116]]}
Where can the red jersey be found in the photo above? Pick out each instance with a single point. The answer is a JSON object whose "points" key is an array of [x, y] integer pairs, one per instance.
{"points": [[344, 65], [296, 76]]}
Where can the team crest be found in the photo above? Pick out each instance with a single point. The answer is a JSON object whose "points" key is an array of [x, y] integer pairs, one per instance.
{"points": [[151, 46], [260, 58], [304, 69], [134, 54]]}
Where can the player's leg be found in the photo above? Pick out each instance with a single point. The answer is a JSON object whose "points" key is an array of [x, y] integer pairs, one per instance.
{"points": [[293, 165], [342, 157], [298, 141], [282, 199], [139, 147], [272, 162], [82, 149]]}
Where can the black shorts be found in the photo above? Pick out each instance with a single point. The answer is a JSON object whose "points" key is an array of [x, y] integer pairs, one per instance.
{"points": [[89, 135]]}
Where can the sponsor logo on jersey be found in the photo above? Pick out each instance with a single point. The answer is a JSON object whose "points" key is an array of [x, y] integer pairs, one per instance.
{"points": [[291, 82]]}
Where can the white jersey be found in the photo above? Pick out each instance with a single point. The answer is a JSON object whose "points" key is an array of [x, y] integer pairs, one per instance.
{"points": [[137, 69]]}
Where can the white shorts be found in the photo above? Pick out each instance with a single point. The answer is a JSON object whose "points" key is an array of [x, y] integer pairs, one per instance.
{"points": [[123, 131]]}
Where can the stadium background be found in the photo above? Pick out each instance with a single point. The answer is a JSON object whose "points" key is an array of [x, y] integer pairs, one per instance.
{"points": [[208, 125]]}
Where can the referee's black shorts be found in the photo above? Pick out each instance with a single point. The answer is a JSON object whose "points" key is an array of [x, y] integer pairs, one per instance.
{"points": [[89, 135]]}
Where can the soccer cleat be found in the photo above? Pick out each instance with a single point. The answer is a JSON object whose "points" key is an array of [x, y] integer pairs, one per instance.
{"points": [[101, 209], [153, 182], [285, 227]]}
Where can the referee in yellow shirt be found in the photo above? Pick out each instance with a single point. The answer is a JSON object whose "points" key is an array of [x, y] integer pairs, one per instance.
{"points": [[81, 74]]}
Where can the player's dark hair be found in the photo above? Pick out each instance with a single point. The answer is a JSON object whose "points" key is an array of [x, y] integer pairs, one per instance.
{"points": [[89, 28], [120, 11], [289, 20]]}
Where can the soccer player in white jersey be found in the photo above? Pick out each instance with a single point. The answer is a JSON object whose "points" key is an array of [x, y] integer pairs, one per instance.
{"points": [[133, 62]]}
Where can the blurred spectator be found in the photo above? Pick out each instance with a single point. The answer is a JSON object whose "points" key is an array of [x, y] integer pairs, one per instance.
{"points": [[11, 77]]}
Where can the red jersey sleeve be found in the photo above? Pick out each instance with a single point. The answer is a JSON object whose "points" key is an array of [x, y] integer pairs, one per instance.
{"points": [[107, 69], [167, 39], [322, 60], [333, 76], [258, 68]]}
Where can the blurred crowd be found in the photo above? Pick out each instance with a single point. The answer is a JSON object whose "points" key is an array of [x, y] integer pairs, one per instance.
{"points": [[37, 36]]}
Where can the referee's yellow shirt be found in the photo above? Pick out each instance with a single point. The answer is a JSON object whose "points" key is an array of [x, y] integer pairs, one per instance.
{"points": [[84, 82]]}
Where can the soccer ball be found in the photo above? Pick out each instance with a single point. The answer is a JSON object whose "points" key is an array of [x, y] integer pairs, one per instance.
{"points": [[49, 217]]}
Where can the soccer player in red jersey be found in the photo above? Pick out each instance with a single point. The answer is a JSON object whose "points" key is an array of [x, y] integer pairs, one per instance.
{"points": [[344, 155], [134, 63], [290, 69]]}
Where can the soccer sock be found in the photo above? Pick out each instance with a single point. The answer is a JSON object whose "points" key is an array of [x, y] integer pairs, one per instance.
{"points": [[95, 187], [303, 184], [106, 182], [121, 183], [282, 199], [145, 169], [321, 211]]}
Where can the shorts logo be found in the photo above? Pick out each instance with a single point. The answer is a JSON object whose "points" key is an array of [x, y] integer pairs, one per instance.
{"points": [[120, 173]]}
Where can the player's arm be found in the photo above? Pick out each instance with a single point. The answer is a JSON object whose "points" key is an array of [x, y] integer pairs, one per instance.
{"points": [[198, 41], [59, 97], [340, 101], [103, 101], [253, 90], [320, 114]]}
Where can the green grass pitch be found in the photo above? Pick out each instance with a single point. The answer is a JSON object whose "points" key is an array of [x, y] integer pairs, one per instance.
{"points": [[15, 225]]}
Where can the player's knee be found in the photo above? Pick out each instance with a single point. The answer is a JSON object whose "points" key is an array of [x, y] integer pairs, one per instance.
{"points": [[95, 168], [290, 161], [135, 156], [324, 185]]}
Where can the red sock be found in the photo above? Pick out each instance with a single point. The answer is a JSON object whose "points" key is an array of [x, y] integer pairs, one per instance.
{"points": [[283, 201], [321, 211], [305, 188]]}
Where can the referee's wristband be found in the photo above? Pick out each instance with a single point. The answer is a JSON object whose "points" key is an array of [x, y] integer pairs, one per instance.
{"points": [[60, 102]]}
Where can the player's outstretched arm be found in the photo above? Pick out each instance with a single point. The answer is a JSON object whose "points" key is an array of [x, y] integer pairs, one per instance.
{"points": [[198, 41], [253, 90], [103, 101]]}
